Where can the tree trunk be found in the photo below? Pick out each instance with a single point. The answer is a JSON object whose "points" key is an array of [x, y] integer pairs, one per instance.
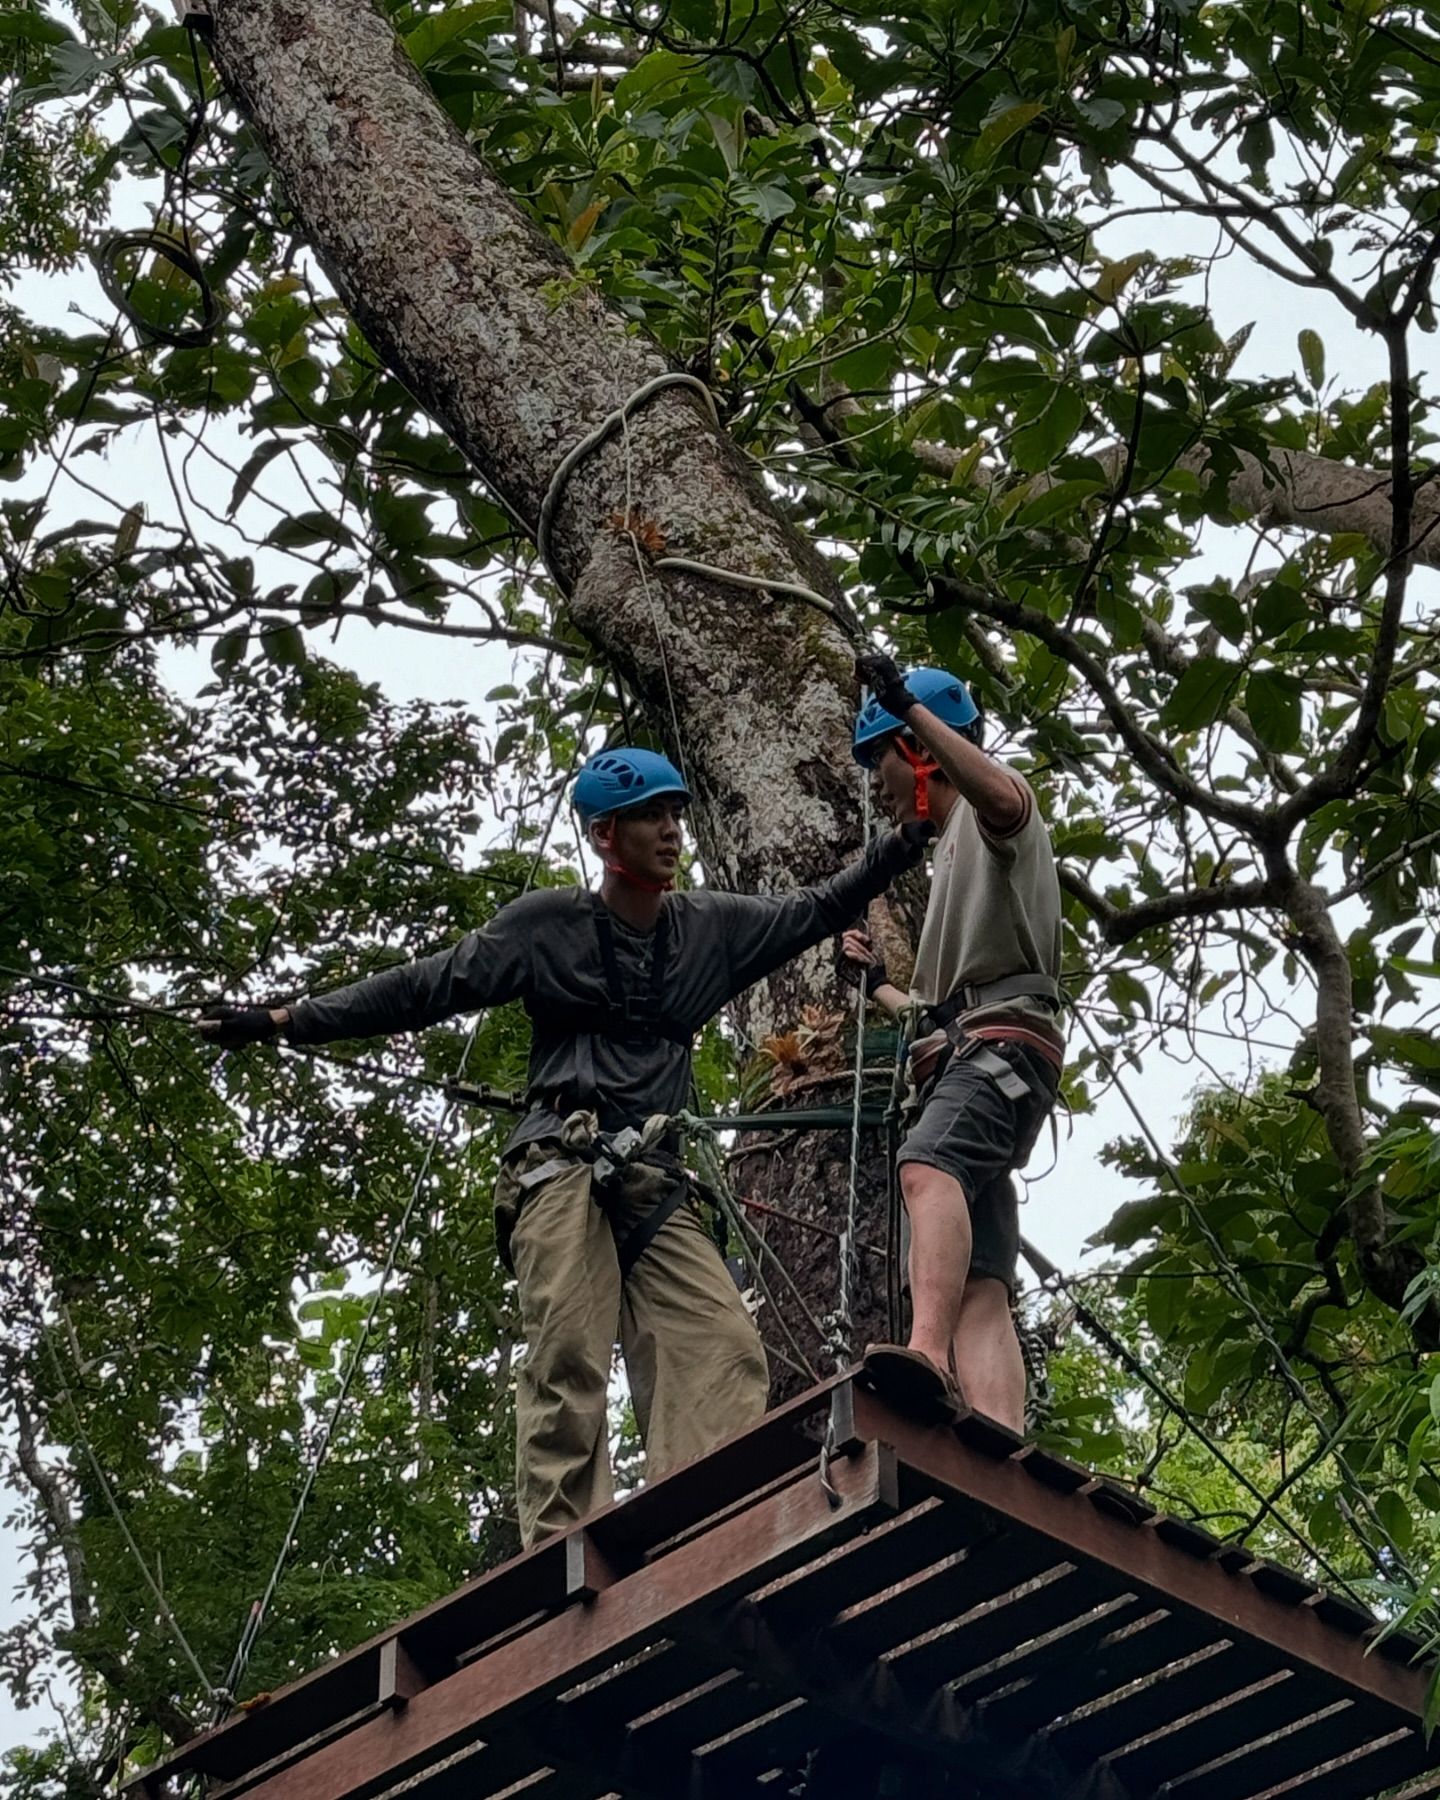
{"points": [[484, 321]]}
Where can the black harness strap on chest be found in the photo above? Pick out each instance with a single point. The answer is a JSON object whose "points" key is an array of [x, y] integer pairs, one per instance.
{"points": [[641, 1007], [625, 1017]]}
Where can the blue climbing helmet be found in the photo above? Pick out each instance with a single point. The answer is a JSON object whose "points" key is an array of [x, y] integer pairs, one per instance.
{"points": [[615, 780], [938, 690]]}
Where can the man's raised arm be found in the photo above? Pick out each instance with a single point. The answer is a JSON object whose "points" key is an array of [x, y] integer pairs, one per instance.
{"points": [[1002, 802]]}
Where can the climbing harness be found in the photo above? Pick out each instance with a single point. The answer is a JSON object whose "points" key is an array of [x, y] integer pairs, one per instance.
{"points": [[610, 1153], [629, 1018], [972, 994], [623, 1017]]}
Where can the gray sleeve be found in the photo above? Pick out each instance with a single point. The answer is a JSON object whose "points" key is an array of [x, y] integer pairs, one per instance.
{"points": [[764, 930], [485, 968]]}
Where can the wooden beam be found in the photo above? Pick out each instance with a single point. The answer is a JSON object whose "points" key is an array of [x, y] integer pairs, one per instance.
{"points": [[520, 1593], [1137, 1554], [495, 1693]]}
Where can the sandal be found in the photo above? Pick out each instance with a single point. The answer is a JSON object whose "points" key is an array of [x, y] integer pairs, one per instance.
{"points": [[911, 1382]]}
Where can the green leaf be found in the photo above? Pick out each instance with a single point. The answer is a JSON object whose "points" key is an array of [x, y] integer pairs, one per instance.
{"points": [[128, 533], [309, 529], [259, 461], [1222, 609], [1113, 275], [443, 29], [1312, 357], [1057, 501], [1278, 607], [1128, 993], [765, 201], [1395, 1516], [1036, 445], [1006, 118], [229, 649], [1201, 694], [282, 642], [1135, 1220], [1272, 701], [32, 27]]}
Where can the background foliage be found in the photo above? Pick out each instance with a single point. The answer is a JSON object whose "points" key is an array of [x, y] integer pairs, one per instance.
{"points": [[951, 272]]}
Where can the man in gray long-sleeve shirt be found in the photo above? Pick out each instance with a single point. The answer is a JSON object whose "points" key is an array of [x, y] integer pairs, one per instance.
{"points": [[616, 983]]}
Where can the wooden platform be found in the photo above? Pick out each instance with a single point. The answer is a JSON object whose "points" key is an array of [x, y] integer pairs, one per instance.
{"points": [[957, 1614]]}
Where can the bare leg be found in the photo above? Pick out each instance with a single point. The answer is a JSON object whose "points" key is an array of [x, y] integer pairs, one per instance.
{"points": [[987, 1354], [940, 1241]]}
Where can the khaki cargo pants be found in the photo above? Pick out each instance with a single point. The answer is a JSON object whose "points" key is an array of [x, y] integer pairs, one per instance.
{"points": [[697, 1369]]}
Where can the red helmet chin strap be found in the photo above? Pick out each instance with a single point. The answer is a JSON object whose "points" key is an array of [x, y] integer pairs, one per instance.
{"points": [[614, 866], [924, 766]]}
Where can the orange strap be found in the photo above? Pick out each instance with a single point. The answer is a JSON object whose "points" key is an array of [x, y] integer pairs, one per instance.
{"points": [[924, 766]]}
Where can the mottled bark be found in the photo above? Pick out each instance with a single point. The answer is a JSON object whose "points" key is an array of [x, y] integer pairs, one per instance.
{"points": [[517, 359]]}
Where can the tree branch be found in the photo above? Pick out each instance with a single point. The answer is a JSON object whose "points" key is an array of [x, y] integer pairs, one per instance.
{"points": [[1387, 1267], [1151, 755]]}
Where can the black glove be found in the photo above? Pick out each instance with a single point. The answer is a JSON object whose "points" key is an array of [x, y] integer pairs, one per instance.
{"points": [[867, 975], [904, 847], [882, 676], [233, 1027]]}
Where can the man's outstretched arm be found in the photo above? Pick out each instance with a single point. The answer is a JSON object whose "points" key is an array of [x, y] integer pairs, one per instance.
{"points": [[764, 931], [484, 969]]}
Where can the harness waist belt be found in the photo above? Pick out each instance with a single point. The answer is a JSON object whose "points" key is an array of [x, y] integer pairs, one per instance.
{"points": [[1010, 1082], [989, 993], [565, 1101]]}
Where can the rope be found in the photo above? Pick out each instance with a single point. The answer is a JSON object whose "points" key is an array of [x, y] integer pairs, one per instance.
{"points": [[602, 434], [1236, 1285], [684, 565], [253, 1624], [1051, 1278], [657, 624], [189, 337], [843, 1340], [894, 1205], [712, 1173], [182, 1643]]}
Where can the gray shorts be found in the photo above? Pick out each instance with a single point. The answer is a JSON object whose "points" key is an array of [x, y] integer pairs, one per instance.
{"points": [[970, 1131]]}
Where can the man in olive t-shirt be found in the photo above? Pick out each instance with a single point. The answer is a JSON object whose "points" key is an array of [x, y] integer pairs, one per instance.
{"points": [[987, 984]]}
